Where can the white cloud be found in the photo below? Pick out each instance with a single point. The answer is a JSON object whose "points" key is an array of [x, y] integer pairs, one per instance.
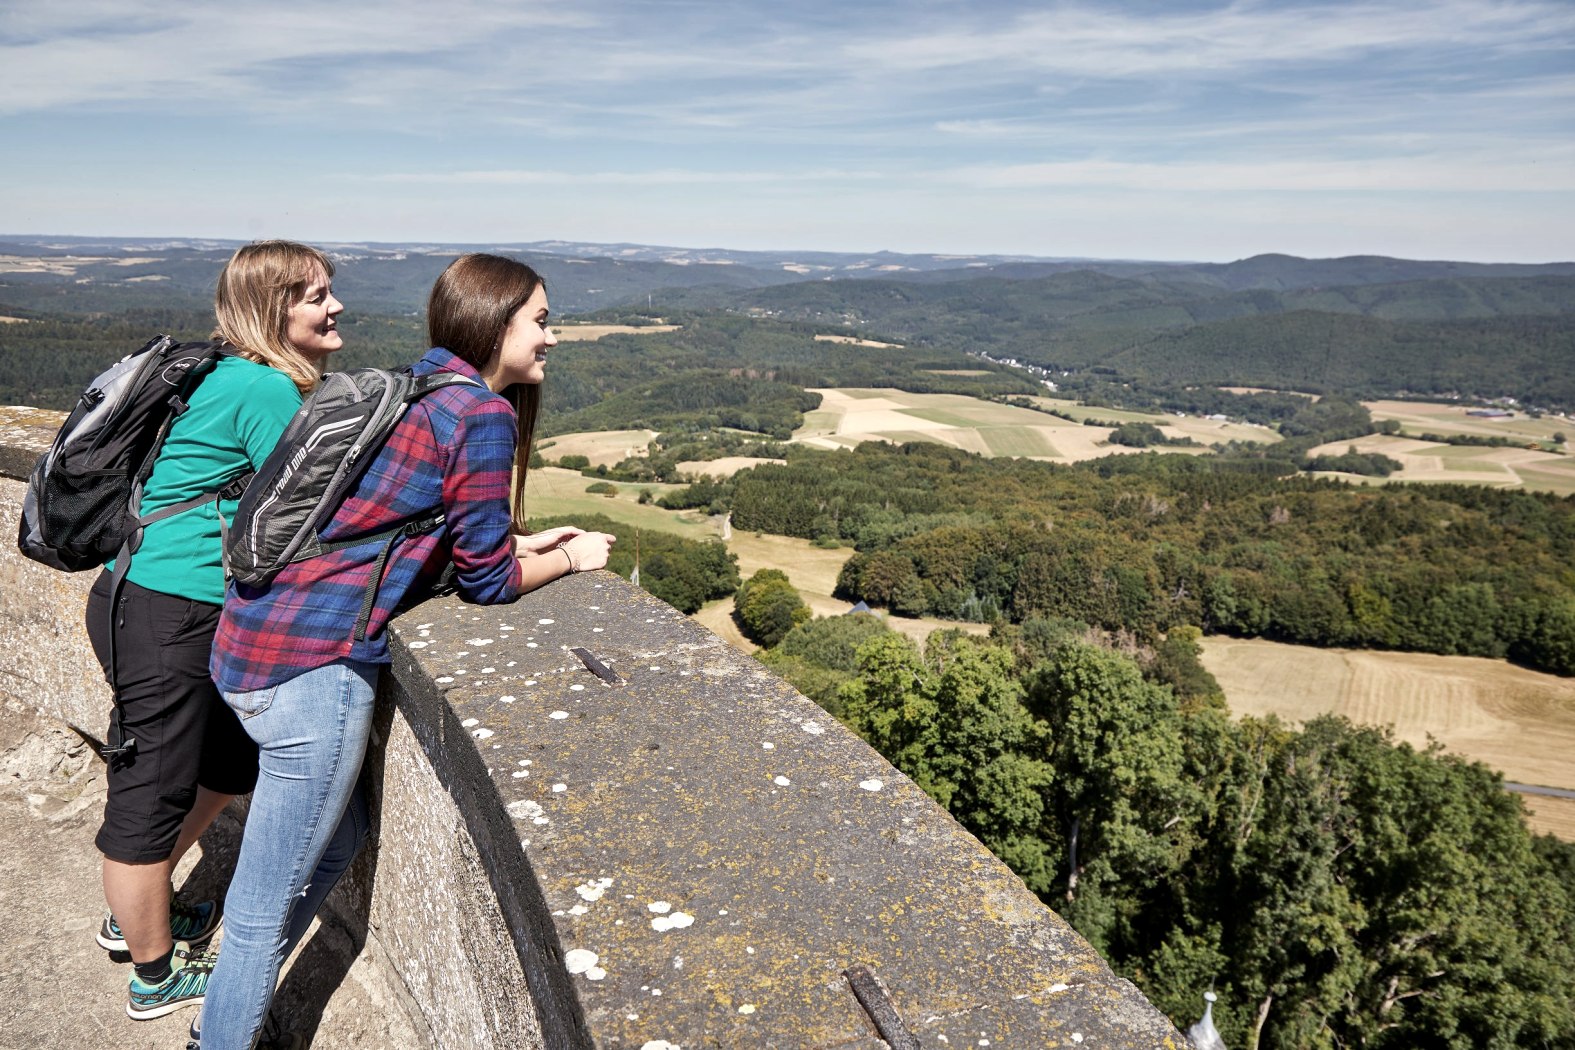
{"points": [[655, 177], [1552, 171], [1095, 42], [68, 54], [881, 121]]}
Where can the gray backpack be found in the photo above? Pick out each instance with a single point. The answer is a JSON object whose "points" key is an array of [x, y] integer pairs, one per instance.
{"points": [[327, 446]]}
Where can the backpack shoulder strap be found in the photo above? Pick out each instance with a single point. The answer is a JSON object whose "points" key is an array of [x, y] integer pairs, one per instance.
{"points": [[421, 386]]}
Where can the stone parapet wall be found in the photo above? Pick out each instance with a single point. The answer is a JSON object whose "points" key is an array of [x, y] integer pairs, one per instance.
{"points": [[692, 856]]}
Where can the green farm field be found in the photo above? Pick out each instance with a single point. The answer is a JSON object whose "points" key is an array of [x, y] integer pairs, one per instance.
{"points": [[554, 492]]}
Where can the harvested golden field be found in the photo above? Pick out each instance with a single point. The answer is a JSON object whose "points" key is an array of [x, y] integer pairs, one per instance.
{"points": [[854, 341], [849, 416], [1429, 417], [1268, 390], [1424, 461], [599, 446], [1199, 428], [589, 333], [1512, 719], [725, 467]]}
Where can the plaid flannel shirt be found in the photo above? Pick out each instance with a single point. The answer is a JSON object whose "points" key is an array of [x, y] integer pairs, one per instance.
{"points": [[454, 449]]}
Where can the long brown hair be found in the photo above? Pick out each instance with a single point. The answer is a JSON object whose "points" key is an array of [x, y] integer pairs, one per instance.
{"points": [[252, 304], [469, 308]]}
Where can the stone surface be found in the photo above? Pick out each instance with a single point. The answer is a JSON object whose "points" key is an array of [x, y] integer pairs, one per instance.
{"points": [[726, 851], [692, 857], [63, 992]]}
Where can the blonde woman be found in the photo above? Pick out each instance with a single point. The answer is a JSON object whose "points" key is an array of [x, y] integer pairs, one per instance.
{"points": [[277, 313]]}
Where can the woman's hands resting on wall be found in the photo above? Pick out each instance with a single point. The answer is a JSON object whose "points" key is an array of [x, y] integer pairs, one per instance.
{"points": [[544, 556]]}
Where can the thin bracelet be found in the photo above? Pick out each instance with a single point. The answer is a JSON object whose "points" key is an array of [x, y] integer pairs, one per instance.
{"points": [[574, 566]]}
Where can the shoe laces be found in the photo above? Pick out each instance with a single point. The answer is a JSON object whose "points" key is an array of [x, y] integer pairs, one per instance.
{"points": [[197, 959]]}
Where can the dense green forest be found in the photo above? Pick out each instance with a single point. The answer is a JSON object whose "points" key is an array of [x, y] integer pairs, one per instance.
{"points": [[712, 372], [1144, 543], [1482, 336], [1336, 889]]}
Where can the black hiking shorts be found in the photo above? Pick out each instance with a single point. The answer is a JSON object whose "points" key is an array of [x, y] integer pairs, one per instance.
{"points": [[186, 735]]}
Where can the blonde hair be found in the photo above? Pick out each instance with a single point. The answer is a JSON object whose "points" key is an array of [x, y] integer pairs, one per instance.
{"points": [[257, 288], [467, 312]]}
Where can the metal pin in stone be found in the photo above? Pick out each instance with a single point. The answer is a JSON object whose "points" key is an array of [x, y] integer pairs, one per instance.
{"points": [[595, 666]]}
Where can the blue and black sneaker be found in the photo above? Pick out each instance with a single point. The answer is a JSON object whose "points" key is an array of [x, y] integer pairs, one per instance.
{"points": [[193, 923], [186, 985]]}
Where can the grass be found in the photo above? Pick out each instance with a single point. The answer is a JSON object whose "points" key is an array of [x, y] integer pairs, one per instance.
{"points": [[601, 446], [553, 492], [1016, 441]]}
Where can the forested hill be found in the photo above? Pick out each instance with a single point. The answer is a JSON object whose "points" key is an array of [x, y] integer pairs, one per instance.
{"points": [[1483, 336], [1367, 326]]}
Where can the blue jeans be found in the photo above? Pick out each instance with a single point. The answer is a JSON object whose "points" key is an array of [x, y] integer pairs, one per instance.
{"points": [[306, 822]]}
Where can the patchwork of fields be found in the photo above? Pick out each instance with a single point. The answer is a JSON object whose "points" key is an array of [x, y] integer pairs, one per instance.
{"points": [[850, 416], [553, 492], [1500, 467]]}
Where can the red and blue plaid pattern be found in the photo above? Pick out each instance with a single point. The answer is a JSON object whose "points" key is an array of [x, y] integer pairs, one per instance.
{"points": [[454, 449]]}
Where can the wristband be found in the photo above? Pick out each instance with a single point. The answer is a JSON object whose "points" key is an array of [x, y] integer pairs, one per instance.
{"points": [[574, 566]]}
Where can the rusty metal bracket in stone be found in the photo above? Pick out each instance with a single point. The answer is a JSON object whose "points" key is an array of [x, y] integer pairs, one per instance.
{"points": [[595, 666], [872, 995]]}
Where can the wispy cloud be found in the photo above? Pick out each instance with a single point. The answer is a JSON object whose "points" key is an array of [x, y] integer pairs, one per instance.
{"points": [[783, 113], [1552, 171], [1214, 42], [654, 177]]}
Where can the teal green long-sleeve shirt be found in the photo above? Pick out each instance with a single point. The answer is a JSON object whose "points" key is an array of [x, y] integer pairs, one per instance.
{"points": [[234, 420]]}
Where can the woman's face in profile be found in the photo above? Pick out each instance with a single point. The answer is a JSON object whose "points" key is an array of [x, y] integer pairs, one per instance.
{"points": [[313, 325], [522, 352]]}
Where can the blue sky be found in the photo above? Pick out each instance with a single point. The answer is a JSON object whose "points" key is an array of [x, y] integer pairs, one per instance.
{"points": [[1174, 130]]}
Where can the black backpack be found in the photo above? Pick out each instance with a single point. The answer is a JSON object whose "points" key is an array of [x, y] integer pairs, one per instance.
{"points": [[83, 502], [84, 498], [324, 451]]}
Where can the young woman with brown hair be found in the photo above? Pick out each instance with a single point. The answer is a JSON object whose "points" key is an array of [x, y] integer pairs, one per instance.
{"points": [[288, 657]]}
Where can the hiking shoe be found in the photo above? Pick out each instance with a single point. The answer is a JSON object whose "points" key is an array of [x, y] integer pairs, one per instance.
{"points": [[193, 923], [186, 985], [272, 1037]]}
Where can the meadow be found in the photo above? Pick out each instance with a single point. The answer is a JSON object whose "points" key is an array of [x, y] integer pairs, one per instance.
{"points": [[1514, 720], [849, 416], [1515, 466], [601, 447], [552, 491]]}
